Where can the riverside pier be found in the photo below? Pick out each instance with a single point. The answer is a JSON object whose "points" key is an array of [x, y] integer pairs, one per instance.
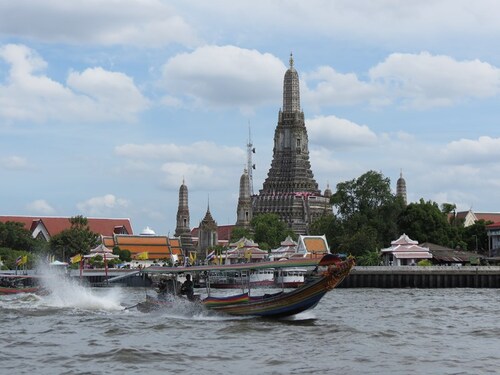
{"points": [[423, 277]]}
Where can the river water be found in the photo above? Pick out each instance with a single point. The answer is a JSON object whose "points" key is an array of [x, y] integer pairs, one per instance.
{"points": [[78, 330]]}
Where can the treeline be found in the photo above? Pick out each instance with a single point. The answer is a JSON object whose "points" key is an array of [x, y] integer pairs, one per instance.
{"points": [[368, 216]]}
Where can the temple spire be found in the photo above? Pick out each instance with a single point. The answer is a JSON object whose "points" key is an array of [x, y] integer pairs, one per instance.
{"points": [[290, 190], [291, 90], [401, 187], [183, 229]]}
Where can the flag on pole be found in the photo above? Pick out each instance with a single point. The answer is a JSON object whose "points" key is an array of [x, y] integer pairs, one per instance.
{"points": [[75, 259], [21, 260], [210, 256]]}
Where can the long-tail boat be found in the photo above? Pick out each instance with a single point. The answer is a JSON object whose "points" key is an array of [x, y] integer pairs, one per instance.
{"points": [[328, 273], [14, 284]]}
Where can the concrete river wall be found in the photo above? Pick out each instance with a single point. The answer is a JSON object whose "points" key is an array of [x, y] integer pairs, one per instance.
{"points": [[423, 277]]}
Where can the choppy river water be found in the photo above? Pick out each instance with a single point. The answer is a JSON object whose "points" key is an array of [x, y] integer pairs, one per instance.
{"points": [[77, 330]]}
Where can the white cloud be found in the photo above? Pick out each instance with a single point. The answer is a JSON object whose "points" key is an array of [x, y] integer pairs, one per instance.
{"points": [[205, 165], [102, 205], [374, 22], [196, 174], [418, 81], [208, 152], [114, 93], [225, 76], [150, 23], [326, 87], [334, 132], [95, 94], [484, 150], [40, 206], [424, 80], [13, 162]]}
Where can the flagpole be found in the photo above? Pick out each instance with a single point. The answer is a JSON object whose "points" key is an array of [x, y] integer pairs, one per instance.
{"points": [[106, 267]]}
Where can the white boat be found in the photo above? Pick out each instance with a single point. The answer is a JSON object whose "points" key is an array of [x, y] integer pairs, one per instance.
{"points": [[263, 277], [234, 280], [290, 277]]}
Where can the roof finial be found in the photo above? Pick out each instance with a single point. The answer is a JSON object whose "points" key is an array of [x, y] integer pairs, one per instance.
{"points": [[291, 60]]}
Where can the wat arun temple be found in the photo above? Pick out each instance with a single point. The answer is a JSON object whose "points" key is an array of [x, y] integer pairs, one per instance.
{"points": [[290, 190]]}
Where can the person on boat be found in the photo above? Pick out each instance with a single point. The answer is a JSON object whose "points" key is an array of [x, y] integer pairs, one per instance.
{"points": [[187, 288], [162, 289]]}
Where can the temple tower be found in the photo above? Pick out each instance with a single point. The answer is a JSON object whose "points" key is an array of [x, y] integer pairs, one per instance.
{"points": [[182, 229], [401, 187], [207, 234], [290, 190], [244, 211]]}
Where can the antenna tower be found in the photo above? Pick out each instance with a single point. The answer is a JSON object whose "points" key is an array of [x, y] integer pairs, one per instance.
{"points": [[250, 165]]}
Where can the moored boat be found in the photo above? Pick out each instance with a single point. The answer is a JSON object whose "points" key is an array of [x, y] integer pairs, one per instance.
{"points": [[290, 277], [242, 279], [14, 284]]}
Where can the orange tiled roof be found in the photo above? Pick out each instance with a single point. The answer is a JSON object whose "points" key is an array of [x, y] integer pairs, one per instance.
{"points": [[157, 247], [175, 242], [315, 245]]}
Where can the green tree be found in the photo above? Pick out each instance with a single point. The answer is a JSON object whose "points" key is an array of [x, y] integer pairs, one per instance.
{"points": [[369, 258], [330, 226], [270, 231], [78, 239], [125, 255], [425, 222], [239, 232], [475, 237], [15, 236], [367, 214]]}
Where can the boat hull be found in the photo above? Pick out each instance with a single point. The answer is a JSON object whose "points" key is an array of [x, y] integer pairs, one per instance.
{"points": [[290, 303], [7, 290]]}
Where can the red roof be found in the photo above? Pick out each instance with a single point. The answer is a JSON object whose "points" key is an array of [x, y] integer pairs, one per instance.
{"points": [[55, 225], [494, 225], [486, 216], [489, 216]]}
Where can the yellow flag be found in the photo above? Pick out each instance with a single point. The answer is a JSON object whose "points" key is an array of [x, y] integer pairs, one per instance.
{"points": [[248, 254], [192, 256], [23, 260], [75, 259], [142, 256]]}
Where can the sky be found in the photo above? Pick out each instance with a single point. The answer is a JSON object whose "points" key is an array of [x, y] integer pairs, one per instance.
{"points": [[106, 107]]}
